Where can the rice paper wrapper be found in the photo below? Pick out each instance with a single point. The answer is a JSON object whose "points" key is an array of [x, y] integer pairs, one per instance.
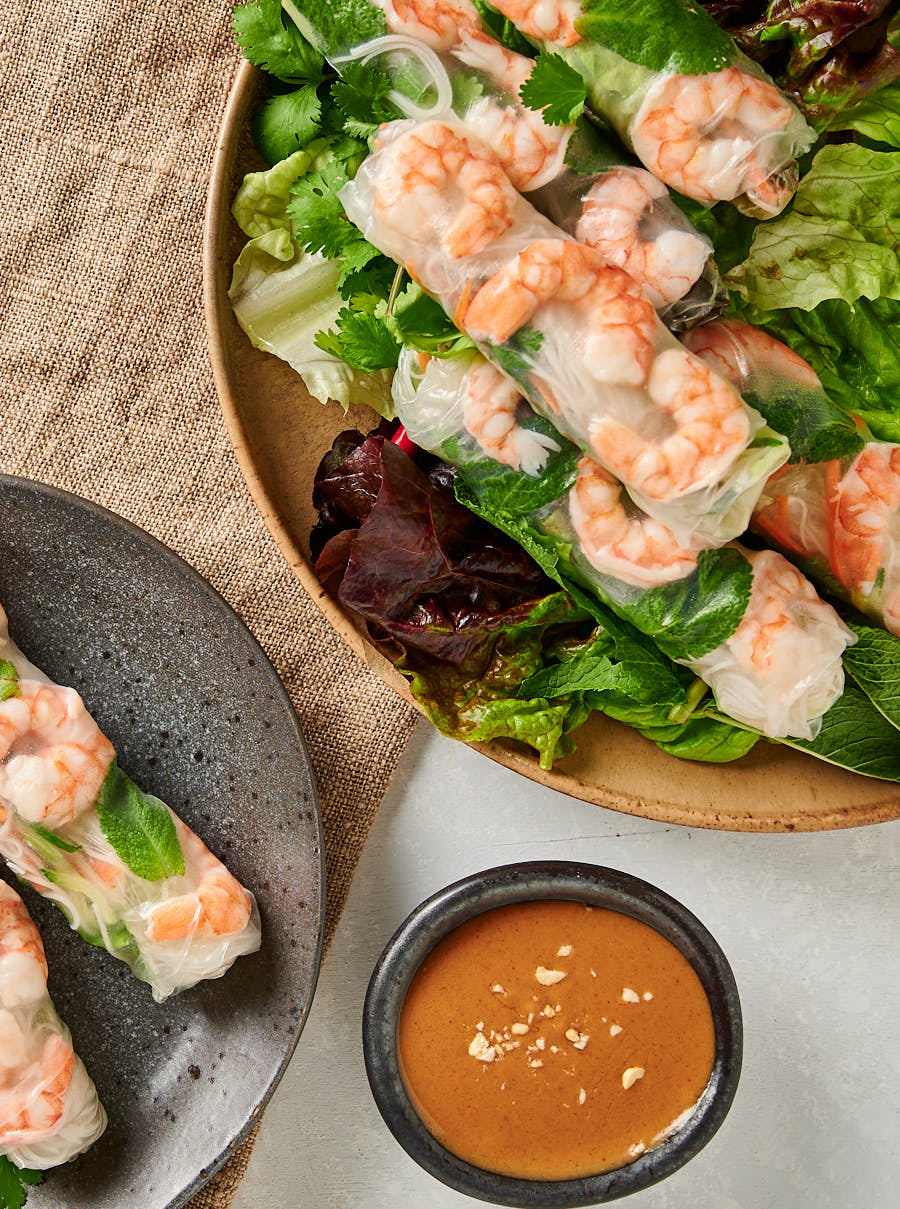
{"points": [[583, 344], [50, 1107], [127, 873]]}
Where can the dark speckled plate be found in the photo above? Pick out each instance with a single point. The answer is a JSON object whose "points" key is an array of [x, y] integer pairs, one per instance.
{"points": [[199, 718]]}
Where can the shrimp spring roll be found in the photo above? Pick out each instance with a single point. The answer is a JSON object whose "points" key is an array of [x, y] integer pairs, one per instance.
{"points": [[126, 871], [840, 517], [49, 1108], [745, 622], [578, 335], [616, 207], [697, 113]]}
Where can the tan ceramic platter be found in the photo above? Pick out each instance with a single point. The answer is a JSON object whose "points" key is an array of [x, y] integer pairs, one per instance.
{"points": [[279, 435]]}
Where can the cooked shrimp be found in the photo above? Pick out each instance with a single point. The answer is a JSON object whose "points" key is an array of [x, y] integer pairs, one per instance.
{"points": [[23, 966], [736, 351], [219, 907], [33, 1100], [611, 220], [489, 413], [864, 511], [620, 322], [632, 547], [440, 24], [714, 137], [780, 606], [546, 20], [711, 428], [531, 151], [53, 756], [32, 1088], [428, 165]]}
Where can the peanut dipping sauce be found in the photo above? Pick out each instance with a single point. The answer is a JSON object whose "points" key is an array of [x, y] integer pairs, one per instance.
{"points": [[548, 1040]]}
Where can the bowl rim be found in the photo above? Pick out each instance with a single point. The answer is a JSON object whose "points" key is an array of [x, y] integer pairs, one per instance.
{"points": [[438, 915]]}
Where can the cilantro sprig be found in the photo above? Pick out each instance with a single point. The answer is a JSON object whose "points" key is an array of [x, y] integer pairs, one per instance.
{"points": [[271, 41], [12, 1184], [555, 89]]}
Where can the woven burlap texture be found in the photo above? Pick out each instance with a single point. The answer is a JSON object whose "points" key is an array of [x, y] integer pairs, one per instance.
{"points": [[109, 118]]}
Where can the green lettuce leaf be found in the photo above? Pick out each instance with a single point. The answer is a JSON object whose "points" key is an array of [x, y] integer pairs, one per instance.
{"points": [[479, 702], [261, 203], [855, 350], [283, 297], [839, 240], [139, 827], [876, 117]]}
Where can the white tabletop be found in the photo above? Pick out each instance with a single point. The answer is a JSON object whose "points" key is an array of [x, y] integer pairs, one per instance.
{"points": [[810, 924]]}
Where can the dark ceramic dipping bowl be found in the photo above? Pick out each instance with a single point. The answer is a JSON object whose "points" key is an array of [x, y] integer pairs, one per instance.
{"points": [[597, 887]]}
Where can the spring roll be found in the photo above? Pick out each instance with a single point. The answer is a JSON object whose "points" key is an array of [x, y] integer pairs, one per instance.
{"points": [[124, 869], [697, 113], [578, 335], [49, 1108], [609, 203], [840, 517], [745, 622]]}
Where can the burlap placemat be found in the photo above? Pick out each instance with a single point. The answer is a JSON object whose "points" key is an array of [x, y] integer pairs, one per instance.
{"points": [[109, 116]]}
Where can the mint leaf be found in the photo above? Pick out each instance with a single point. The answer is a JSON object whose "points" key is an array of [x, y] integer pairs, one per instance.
{"points": [[555, 89], [287, 122], [857, 736], [712, 740], [9, 680], [500, 488], [12, 1179], [139, 827], [336, 24], [662, 35], [692, 616], [272, 42], [817, 428], [874, 663], [361, 340]]}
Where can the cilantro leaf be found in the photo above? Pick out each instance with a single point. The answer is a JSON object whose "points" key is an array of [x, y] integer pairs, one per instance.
{"points": [[354, 259], [139, 827], [555, 89], [287, 122], [269, 42], [361, 96], [12, 1192], [9, 680], [317, 216], [362, 340]]}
